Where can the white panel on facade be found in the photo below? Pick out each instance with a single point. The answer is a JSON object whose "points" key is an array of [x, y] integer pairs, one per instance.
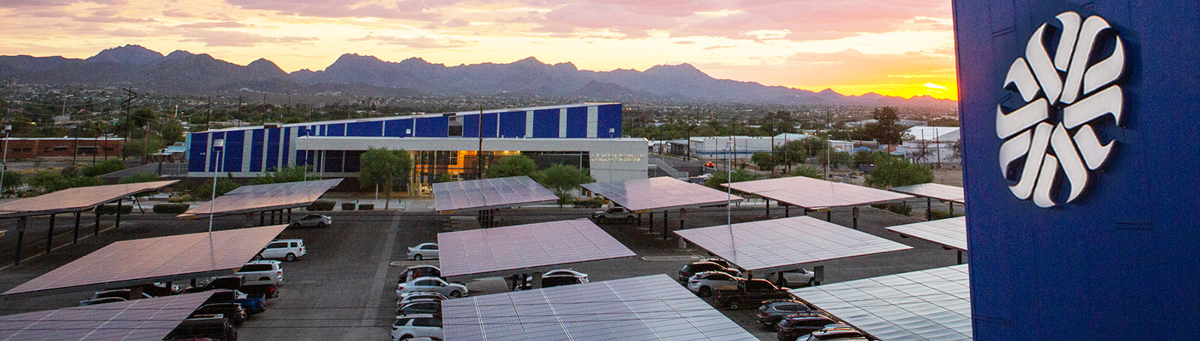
{"points": [[208, 157], [529, 124], [291, 152], [562, 122], [593, 120], [247, 148]]}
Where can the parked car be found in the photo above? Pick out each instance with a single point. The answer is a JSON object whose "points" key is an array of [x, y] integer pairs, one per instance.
{"points": [[162, 289], [264, 291], [417, 271], [313, 220], [428, 306], [792, 327], [253, 305], [285, 249], [554, 278], [705, 283], [451, 290], [422, 325], [104, 300], [750, 293], [262, 272], [415, 296], [836, 331], [423, 251], [231, 282], [216, 328], [719, 261], [232, 311], [794, 278], [127, 294], [773, 311], [691, 269], [614, 214]]}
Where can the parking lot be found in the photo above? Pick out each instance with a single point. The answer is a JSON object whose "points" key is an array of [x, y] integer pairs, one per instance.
{"points": [[345, 287]]}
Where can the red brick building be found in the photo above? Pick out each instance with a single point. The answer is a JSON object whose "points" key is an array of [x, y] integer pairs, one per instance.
{"points": [[25, 148]]}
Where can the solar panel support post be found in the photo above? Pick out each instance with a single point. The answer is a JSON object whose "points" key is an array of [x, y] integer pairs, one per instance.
{"points": [[829, 215], [262, 218], [118, 223], [665, 228], [22, 224], [951, 208], [50, 235], [787, 211], [959, 256], [928, 208], [97, 227], [854, 217], [289, 219], [768, 202], [78, 215], [651, 229]]}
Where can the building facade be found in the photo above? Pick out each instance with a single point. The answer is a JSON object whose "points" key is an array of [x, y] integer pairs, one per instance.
{"points": [[28, 148], [442, 145], [1076, 117]]}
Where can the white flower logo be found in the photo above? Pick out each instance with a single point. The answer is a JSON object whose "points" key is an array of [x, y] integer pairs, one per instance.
{"points": [[1053, 128]]}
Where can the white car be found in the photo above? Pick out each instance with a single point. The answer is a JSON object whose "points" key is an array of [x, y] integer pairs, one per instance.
{"points": [[285, 249], [792, 278], [451, 290], [614, 214], [418, 296], [423, 251], [706, 283], [313, 220], [262, 272], [567, 273], [418, 325]]}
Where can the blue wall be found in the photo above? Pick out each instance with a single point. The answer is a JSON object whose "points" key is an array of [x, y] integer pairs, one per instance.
{"points": [[1123, 261]]}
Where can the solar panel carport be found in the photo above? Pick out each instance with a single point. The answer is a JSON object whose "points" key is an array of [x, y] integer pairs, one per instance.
{"points": [[651, 307], [149, 319], [263, 199], [521, 249], [488, 195], [930, 191], [815, 194], [161, 259], [72, 200], [786, 243], [932, 304], [950, 233], [661, 193]]}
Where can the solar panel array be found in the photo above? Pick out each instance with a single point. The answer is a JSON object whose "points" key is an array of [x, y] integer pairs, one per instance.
{"points": [[267, 197], [815, 193], [148, 319], [659, 193], [76, 199], [641, 308], [950, 232], [142, 261], [930, 304], [489, 194], [778, 244], [521, 247], [932, 190]]}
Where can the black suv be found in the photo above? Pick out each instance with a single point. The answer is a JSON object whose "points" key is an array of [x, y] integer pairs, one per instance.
{"points": [[232, 311], [792, 327], [691, 269], [749, 293], [772, 311]]}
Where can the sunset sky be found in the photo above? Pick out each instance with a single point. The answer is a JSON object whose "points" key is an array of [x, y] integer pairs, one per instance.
{"points": [[894, 47]]}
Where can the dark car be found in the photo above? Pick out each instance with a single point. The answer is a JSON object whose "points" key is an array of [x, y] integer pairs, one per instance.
{"points": [[792, 327], [772, 311], [691, 269], [264, 291], [161, 289], [233, 282], [208, 327], [232, 311], [418, 271], [103, 300], [750, 293], [841, 332], [127, 294], [560, 280], [433, 307], [253, 305]]}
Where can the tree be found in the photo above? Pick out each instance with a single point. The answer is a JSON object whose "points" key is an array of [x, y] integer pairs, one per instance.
{"points": [[103, 167], [719, 178], [791, 153], [808, 171], [563, 179], [384, 168], [863, 157], [204, 191], [286, 174], [51, 181], [172, 131], [141, 116], [893, 171], [12, 180], [764, 161], [834, 158], [516, 165], [140, 177], [885, 129]]}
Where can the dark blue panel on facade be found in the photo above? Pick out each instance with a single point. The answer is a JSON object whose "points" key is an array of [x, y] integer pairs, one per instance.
{"points": [[545, 123], [398, 128], [213, 161], [432, 126], [470, 125], [608, 117], [512, 124], [257, 140], [272, 149], [365, 129], [234, 141], [577, 122], [1128, 242], [287, 143], [338, 129], [489, 125], [197, 151], [333, 160]]}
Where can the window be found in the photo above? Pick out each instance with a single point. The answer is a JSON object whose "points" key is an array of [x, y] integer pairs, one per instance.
{"points": [[293, 244], [401, 322], [431, 247], [256, 267], [426, 283], [276, 245], [427, 322]]}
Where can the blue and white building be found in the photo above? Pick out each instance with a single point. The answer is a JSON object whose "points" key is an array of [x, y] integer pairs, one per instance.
{"points": [[586, 135]]}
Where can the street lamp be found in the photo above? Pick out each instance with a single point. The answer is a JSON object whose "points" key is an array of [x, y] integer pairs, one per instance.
{"points": [[4, 169], [216, 169]]}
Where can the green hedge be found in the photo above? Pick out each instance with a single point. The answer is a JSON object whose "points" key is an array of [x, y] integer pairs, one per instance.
{"points": [[366, 207], [322, 205], [594, 202], [347, 206], [112, 209], [171, 208]]}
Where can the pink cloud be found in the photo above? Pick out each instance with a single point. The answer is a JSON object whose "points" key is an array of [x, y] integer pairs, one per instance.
{"points": [[409, 9], [235, 38]]}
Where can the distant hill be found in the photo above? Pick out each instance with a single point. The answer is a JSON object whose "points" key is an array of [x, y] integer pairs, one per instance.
{"points": [[185, 72]]}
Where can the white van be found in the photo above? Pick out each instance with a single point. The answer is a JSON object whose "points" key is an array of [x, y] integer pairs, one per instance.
{"points": [[285, 249]]}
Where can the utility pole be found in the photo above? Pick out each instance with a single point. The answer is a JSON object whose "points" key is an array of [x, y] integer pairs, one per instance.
{"points": [[479, 153], [128, 104]]}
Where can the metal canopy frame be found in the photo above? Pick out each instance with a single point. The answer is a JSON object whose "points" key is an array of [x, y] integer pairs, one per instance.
{"points": [[521, 249], [930, 191], [149, 319], [932, 304], [814, 194], [144, 261], [950, 233], [264, 198], [661, 194], [786, 243], [489, 194], [651, 307]]}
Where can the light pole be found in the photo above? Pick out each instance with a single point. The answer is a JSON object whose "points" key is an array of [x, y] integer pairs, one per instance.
{"points": [[4, 168], [216, 170], [307, 159], [612, 157]]}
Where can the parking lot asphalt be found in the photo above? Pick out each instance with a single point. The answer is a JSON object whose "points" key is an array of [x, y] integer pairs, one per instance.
{"points": [[345, 287]]}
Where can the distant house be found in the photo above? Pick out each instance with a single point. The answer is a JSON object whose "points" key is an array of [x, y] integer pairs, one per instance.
{"points": [[27, 148]]}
